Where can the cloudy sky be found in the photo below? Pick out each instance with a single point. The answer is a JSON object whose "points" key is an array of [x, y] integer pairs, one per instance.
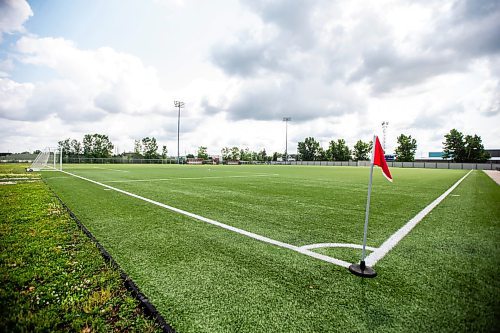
{"points": [[337, 68]]}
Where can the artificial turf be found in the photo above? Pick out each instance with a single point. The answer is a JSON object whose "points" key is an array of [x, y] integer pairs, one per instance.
{"points": [[206, 279]]}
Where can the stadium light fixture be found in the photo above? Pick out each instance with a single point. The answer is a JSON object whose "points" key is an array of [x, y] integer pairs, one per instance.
{"points": [[286, 120], [178, 104]]}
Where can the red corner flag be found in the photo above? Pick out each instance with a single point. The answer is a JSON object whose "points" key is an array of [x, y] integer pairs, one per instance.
{"points": [[379, 159]]}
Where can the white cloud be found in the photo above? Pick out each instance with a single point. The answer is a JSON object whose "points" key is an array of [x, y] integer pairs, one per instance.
{"points": [[13, 98], [92, 82], [13, 14]]}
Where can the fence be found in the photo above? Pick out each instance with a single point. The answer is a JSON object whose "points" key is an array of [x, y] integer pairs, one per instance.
{"points": [[417, 164]]}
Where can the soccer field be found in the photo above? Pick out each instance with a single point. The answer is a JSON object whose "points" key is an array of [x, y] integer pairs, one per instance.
{"points": [[264, 248]]}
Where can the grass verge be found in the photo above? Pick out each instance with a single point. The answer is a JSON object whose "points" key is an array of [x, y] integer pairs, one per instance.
{"points": [[52, 277]]}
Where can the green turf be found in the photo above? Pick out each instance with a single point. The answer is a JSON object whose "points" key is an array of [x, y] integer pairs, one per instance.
{"points": [[206, 279]]}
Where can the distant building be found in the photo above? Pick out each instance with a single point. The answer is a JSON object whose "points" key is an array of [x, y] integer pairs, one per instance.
{"points": [[436, 154], [495, 154]]}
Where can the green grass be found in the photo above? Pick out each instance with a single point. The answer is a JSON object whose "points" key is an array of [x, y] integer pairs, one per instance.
{"points": [[52, 278], [442, 277]]}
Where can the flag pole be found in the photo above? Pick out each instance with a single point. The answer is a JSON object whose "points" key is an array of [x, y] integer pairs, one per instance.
{"points": [[367, 214], [361, 269]]}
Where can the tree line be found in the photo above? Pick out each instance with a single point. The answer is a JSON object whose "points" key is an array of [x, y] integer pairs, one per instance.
{"points": [[100, 146], [456, 147]]}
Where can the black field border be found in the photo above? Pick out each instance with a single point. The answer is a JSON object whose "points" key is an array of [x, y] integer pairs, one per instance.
{"points": [[149, 309]]}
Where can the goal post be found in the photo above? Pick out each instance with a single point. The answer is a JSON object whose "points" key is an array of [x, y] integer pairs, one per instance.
{"points": [[48, 159]]}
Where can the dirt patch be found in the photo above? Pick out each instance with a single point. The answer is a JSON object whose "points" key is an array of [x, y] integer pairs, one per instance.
{"points": [[494, 174]]}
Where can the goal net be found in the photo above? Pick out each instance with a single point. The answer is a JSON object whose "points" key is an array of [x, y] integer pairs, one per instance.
{"points": [[49, 159]]}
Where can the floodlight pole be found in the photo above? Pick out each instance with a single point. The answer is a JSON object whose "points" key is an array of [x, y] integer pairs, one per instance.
{"points": [[286, 120], [178, 104], [384, 130]]}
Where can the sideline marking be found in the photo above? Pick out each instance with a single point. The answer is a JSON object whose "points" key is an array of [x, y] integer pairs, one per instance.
{"points": [[392, 241], [186, 178], [321, 245], [224, 226]]}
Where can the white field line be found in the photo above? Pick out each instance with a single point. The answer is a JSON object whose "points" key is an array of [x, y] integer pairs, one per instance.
{"points": [[118, 170], [392, 241], [321, 245], [222, 225], [187, 178]]}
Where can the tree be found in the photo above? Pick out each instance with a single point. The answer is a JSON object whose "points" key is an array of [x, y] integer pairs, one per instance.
{"points": [[76, 147], [406, 149], [474, 150], [276, 155], [245, 154], [149, 148], [38, 151], [362, 150], [137, 149], [262, 155], [202, 153], [468, 149], [338, 151], [164, 152], [65, 146], [254, 156], [454, 146], [234, 153], [226, 153], [97, 145], [309, 149]]}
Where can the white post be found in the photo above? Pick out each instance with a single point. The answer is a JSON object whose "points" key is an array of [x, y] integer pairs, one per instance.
{"points": [[60, 159], [367, 212], [55, 150]]}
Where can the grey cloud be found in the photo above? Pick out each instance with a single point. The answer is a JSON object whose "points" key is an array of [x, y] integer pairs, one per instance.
{"points": [[209, 108], [245, 58], [493, 107], [470, 31], [293, 18], [249, 56], [110, 102], [385, 69], [435, 119], [473, 29], [474, 9], [267, 100]]}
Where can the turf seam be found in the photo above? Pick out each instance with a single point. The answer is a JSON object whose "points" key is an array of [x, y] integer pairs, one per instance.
{"points": [[149, 309]]}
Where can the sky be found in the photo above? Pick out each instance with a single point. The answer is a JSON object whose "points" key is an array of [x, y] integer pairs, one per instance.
{"points": [[337, 68]]}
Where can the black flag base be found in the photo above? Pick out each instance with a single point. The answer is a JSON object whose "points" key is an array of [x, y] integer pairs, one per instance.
{"points": [[362, 270]]}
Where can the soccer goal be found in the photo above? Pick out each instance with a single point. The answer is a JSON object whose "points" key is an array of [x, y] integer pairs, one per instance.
{"points": [[49, 159]]}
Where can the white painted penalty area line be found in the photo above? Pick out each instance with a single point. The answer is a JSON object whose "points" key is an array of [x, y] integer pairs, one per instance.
{"points": [[222, 225], [348, 245], [187, 178], [392, 241]]}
